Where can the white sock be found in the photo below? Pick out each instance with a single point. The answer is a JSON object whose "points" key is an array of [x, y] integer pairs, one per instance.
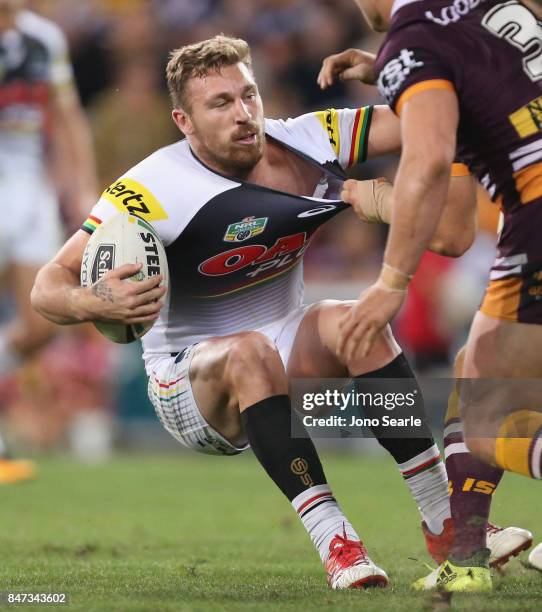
{"points": [[322, 517], [425, 476], [9, 360]]}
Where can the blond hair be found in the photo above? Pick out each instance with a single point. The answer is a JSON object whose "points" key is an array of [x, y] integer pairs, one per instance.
{"points": [[200, 58]]}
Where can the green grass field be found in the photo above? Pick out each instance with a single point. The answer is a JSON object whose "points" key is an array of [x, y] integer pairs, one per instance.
{"points": [[187, 532]]}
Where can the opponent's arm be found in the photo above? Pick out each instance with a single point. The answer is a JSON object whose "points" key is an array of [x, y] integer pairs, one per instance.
{"points": [[456, 229], [428, 129], [58, 296], [428, 133]]}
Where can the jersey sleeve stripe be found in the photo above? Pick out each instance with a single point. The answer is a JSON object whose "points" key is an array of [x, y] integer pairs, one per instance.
{"points": [[423, 86], [459, 169], [91, 224], [360, 135]]}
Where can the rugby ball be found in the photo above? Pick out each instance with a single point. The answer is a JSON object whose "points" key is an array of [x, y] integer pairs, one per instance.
{"points": [[123, 239]]}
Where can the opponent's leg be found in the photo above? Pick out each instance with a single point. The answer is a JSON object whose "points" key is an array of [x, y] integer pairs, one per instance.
{"points": [[472, 484], [499, 354], [314, 355], [239, 386], [509, 413]]}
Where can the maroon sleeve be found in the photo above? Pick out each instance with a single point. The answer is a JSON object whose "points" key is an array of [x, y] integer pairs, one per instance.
{"points": [[409, 59]]}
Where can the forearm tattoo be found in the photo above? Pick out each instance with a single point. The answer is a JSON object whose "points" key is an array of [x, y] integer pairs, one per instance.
{"points": [[103, 291]]}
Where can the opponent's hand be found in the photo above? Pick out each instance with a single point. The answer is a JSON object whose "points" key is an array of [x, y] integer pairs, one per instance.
{"points": [[359, 328], [114, 299], [350, 65], [370, 199]]}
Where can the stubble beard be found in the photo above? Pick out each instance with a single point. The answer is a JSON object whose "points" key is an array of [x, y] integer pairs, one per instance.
{"points": [[233, 159]]}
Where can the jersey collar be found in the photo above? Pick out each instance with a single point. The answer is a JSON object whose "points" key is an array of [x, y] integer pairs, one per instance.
{"points": [[399, 4]]}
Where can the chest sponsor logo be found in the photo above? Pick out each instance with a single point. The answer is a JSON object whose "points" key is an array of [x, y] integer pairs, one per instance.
{"points": [[317, 211], [130, 196], [528, 119], [256, 258], [394, 73], [245, 229]]}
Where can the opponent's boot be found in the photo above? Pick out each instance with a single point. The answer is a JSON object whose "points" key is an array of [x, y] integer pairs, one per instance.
{"points": [[503, 542], [350, 567], [506, 542], [468, 575]]}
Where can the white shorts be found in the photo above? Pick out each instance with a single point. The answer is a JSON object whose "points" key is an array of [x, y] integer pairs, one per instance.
{"points": [[171, 393], [31, 230]]}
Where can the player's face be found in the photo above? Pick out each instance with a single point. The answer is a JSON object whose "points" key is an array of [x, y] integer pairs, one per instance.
{"points": [[226, 119], [376, 13], [10, 6]]}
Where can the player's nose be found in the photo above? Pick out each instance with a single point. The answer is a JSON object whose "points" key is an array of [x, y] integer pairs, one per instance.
{"points": [[242, 112]]}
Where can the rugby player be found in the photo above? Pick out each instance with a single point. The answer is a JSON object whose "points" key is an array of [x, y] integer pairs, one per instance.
{"points": [[471, 482], [486, 108], [235, 204], [39, 108]]}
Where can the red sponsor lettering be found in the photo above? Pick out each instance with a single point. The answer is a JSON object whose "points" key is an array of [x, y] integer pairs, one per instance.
{"points": [[232, 260]]}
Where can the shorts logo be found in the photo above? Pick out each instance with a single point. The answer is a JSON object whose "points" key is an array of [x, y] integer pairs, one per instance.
{"points": [[245, 229], [300, 468], [104, 260], [395, 72], [330, 122], [130, 196]]}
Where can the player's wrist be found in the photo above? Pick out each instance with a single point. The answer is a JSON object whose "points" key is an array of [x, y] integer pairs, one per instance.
{"points": [[393, 279], [83, 304]]}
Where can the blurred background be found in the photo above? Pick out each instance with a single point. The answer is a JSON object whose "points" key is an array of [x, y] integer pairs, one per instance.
{"points": [[85, 395]]}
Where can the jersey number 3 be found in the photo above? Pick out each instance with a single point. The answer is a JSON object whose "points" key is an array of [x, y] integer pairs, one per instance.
{"points": [[517, 25]]}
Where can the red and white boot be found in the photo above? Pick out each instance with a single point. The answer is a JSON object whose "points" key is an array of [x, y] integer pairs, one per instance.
{"points": [[350, 567], [503, 542]]}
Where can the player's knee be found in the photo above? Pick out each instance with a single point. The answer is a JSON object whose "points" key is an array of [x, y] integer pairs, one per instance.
{"points": [[253, 356], [481, 448]]}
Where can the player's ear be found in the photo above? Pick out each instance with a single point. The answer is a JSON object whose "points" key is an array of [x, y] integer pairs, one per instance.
{"points": [[182, 121]]}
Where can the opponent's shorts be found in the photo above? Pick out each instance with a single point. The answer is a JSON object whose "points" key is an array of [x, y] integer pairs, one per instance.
{"points": [[171, 393], [516, 299], [514, 292], [30, 230]]}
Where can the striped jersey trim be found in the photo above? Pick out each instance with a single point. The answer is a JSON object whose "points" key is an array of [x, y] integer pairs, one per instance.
{"points": [[91, 224], [419, 87], [360, 135]]}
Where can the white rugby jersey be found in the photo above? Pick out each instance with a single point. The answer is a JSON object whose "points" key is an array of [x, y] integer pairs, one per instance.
{"points": [[234, 248], [33, 62]]}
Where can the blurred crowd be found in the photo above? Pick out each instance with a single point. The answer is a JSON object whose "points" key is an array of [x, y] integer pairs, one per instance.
{"points": [[119, 49]]}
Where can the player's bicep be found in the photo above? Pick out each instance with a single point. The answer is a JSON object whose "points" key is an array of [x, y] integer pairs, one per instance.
{"points": [[385, 133], [429, 120]]}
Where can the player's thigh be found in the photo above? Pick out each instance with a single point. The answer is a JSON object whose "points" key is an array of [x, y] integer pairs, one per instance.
{"points": [[497, 348], [200, 394], [193, 403], [314, 353], [502, 372]]}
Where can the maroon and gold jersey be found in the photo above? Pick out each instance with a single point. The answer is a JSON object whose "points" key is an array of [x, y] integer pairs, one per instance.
{"points": [[490, 54]]}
